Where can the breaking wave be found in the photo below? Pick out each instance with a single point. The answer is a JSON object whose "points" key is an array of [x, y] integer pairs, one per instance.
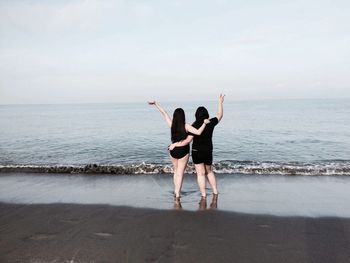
{"points": [[328, 167]]}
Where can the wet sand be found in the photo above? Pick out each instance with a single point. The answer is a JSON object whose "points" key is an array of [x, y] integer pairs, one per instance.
{"points": [[306, 196], [103, 233]]}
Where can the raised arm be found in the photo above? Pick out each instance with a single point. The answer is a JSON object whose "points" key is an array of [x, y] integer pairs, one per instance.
{"points": [[195, 131], [162, 111], [220, 113]]}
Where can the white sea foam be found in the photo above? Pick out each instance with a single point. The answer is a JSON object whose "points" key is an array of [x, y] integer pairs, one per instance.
{"points": [[328, 167]]}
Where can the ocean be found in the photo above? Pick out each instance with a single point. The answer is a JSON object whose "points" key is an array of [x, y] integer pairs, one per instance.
{"points": [[283, 137]]}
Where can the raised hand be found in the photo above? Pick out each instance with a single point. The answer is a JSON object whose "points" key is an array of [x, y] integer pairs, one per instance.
{"points": [[206, 121], [162, 111], [221, 98]]}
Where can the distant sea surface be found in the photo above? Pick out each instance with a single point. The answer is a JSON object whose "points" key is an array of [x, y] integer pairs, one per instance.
{"points": [[306, 137]]}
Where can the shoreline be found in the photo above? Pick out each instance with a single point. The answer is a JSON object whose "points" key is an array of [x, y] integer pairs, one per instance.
{"points": [[263, 168], [103, 233], [273, 195]]}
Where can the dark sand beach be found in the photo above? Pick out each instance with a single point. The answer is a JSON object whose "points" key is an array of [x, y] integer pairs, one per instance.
{"points": [[103, 233], [96, 218]]}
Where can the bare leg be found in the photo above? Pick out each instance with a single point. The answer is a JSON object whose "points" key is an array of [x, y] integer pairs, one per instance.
{"points": [[175, 164], [200, 169], [211, 178], [181, 166]]}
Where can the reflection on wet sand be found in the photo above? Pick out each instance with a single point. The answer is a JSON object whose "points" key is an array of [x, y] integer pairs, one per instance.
{"points": [[273, 195], [214, 202], [177, 203], [203, 203]]}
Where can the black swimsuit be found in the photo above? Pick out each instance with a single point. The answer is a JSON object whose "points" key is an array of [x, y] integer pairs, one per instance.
{"points": [[180, 152]]}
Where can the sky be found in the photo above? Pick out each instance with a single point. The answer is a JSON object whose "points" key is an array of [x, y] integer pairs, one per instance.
{"points": [[95, 51]]}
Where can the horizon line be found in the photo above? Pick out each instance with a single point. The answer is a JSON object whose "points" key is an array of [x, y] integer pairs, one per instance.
{"points": [[170, 101]]}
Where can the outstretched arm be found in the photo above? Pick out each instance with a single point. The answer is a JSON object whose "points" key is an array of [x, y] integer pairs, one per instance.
{"points": [[162, 111], [220, 113], [188, 140], [195, 131]]}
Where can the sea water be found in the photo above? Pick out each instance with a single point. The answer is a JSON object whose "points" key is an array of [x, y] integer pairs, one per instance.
{"points": [[291, 137], [258, 145]]}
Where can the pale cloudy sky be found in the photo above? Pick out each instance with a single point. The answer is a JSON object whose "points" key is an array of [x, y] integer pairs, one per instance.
{"points": [[113, 51]]}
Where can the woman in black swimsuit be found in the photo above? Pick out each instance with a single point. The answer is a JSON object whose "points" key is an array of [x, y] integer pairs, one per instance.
{"points": [[202, 148], [179, 156]]}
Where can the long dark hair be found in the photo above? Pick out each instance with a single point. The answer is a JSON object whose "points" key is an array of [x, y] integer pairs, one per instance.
{"points": [[201, 115], [178, 131]]}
